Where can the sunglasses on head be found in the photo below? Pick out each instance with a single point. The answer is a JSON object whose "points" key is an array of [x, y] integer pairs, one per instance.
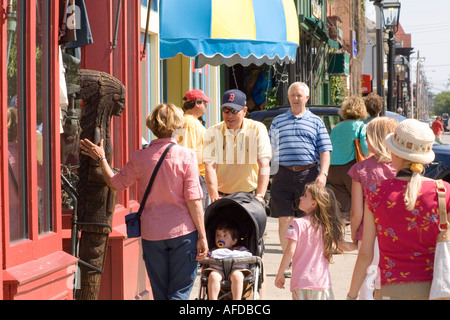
{"points": [[228, 110]]}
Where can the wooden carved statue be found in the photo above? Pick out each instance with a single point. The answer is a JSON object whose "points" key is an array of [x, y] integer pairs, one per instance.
{"points": [[104, 97]]}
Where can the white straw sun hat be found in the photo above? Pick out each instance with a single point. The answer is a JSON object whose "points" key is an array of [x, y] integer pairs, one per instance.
{"points": [[412, 140]]}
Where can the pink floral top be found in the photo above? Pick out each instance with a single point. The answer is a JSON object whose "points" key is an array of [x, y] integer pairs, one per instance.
{"points": [[407, 239], [368, 172]]}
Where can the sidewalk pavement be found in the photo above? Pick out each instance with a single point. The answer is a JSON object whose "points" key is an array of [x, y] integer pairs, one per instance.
{"points": [[341, 270]]}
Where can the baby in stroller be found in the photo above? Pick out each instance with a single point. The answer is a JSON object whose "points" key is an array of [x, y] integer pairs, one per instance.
{"points": [[235, 226], [226, 237]]}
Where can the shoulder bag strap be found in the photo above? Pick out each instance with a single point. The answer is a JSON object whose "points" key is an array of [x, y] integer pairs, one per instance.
{"points": [[442, 206], [359, 131], [155, 171]]}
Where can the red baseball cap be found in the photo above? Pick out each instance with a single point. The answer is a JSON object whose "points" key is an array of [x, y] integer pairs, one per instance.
{"points": [[195, 94]]}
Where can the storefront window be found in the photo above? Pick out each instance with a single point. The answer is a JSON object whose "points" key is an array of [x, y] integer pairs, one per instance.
{"points": [[147, 85], [16, 132], [43, 119], [29, 119], [70, 108], [69, 100], [200, 80]]}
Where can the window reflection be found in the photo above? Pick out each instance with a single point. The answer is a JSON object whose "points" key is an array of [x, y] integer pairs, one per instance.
{"points": [[43, 106], [70, 119], [17, 214], [16, 219], [74, 34]]}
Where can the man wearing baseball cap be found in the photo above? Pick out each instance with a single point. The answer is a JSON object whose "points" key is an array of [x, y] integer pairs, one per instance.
{"points": [[237, 151], [194, 106]]}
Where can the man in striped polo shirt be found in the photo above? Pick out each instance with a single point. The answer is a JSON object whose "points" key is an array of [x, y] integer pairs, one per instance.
{"points": [[301, 150]]}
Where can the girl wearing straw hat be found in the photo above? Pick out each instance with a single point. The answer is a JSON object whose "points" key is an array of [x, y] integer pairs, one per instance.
{"points": [[402, 213]]}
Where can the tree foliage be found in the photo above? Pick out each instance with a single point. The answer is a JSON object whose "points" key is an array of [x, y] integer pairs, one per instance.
{"points": [[442, 103]]}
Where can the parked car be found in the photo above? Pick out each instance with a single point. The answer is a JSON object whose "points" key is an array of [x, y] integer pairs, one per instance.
{"points": [[445, 122], [429, 122], [439, 169]]}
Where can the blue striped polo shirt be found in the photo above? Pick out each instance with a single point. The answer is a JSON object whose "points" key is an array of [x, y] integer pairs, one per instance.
{"points": [[298, 141]]}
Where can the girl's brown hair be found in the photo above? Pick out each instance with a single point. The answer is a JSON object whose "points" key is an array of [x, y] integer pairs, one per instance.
{"points": [[326, 215]]}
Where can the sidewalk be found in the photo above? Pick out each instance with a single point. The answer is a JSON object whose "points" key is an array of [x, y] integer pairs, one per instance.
{"points": [[341, 271]]}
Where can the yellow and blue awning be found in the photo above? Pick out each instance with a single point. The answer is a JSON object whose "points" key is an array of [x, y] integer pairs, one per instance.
{"points": [[228, 32]]}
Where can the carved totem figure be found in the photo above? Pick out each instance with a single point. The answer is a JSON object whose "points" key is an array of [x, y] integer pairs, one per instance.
{"points": [[104, 97]]}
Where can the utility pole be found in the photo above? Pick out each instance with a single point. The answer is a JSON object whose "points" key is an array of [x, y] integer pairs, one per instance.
{"points": [[418, 85]]}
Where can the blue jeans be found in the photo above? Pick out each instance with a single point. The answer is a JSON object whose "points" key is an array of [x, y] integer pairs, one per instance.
{"points": [[171, 266]]}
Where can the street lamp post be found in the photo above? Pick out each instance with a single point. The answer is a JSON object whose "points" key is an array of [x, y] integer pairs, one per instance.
{"points": [[391, 54], [391, 14], [387, 14], [379, 48]]}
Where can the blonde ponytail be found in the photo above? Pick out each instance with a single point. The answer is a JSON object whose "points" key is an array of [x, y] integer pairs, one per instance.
{"points": [[413, 187]]}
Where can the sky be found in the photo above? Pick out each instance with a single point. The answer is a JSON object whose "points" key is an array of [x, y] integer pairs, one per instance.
{"points": [[428, 23]]}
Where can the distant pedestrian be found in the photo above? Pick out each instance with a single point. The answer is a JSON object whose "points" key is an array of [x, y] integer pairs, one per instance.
{"points": [[301, 146], [438, 128], [374, 105], [192, 135], [401, 213], [365, 174], [343, 157], [237, 151], [400, 112], [312, 241]]}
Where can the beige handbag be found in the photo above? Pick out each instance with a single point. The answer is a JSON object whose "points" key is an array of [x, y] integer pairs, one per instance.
{"points": [[440, 286]]}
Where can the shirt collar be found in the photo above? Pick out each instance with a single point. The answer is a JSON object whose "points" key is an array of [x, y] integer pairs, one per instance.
{"points": [[163, 141], [306, 115], [243, 129]]}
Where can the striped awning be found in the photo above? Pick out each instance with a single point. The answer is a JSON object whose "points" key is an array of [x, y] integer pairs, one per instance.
{"points": [[228, 32]]}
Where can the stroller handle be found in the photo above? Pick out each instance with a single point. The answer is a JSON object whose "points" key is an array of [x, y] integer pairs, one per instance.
{"points": [[237, 260]]}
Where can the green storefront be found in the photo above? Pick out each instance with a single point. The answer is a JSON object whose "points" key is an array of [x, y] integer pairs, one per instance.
{"points": [[315, 51]]}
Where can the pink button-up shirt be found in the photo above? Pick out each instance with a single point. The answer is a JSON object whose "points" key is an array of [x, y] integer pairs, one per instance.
{"points": [[166, 214]]}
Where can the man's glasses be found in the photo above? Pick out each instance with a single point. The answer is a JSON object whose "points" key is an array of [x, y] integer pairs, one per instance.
{"points": [[228, 110]]}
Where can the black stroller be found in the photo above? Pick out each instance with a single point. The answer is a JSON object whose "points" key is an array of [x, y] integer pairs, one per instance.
{"points": [[248, 214]]}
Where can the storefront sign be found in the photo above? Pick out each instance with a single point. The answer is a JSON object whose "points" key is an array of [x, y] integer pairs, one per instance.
{"points": [[366, 83], [339, 64]]}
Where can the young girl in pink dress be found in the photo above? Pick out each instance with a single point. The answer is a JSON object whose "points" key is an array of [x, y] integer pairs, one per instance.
{"points": [[312, 241]]}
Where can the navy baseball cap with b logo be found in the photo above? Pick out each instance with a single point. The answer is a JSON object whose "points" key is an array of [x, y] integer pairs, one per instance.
{"points": [[235, 99]]}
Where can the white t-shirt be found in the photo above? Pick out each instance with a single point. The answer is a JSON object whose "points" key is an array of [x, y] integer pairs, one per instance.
{"points": [[310, 269]]}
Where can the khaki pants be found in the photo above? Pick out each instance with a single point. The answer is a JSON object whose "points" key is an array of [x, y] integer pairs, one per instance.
{"points": [[403, 291], [307, 294]]}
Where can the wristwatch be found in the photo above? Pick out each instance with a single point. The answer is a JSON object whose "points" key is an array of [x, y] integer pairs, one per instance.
{"points": [[259, 195], [325, 173]]}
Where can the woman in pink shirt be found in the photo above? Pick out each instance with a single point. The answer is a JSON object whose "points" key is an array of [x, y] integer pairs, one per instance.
{"points": [[172, 225], [401, 213]]}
